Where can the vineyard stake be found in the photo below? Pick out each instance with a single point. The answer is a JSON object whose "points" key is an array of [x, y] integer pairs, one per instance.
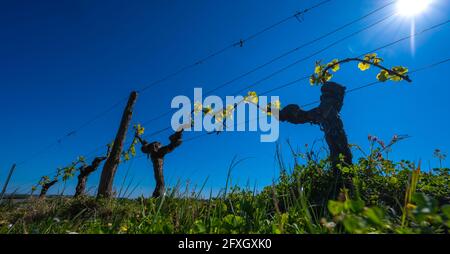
{"points": [[7, 181], [112, 163]]}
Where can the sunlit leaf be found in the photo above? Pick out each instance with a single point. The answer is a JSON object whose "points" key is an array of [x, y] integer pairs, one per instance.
{"points": [[198, 107], [312, 80], [252, 97], [363, 66], [318, 69], [334, 65], [276, 104], [383, 76], [335, 207], [377, 60], [207, 110]]}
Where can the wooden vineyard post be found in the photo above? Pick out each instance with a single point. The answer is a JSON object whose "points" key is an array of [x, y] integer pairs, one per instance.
{"points": [[5, 186], [112, 163]]}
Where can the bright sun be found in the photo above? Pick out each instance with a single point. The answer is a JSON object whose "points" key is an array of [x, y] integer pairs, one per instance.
{"points": [[412, 7]]}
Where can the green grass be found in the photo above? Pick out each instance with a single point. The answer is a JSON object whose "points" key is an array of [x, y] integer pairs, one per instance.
{"points": [[381, 196]]}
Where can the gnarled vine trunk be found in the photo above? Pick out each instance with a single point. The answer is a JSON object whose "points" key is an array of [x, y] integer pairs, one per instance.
{"points": [[158, 165], [81, 185], [84, 174], [327, 117], [157, 152], [45, 188]]}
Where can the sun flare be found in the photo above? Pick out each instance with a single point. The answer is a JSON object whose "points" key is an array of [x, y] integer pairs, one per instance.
{"points": [[411, 8]]}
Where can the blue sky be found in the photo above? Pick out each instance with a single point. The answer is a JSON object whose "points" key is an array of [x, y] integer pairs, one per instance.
{"points": [[63, 62]]}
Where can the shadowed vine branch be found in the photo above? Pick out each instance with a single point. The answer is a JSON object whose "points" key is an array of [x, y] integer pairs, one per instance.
{"points": [[367, 62], [322, 72]]}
